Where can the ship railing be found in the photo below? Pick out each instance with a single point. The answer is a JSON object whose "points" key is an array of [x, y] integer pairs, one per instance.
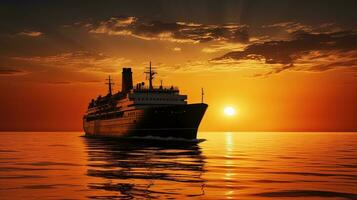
{"points": [[164, 89]]}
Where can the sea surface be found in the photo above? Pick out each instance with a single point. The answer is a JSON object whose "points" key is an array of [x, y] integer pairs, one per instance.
{"points": [[226, 165]]}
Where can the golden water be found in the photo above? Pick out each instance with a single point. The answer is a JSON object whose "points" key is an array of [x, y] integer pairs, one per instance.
{"points": [[228, 165]]}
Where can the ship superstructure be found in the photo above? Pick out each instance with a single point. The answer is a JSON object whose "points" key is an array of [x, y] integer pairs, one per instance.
{"points": [[143, 111]]}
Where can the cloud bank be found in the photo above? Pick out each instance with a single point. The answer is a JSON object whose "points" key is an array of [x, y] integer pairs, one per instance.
{"points": [[170, 31], [305, 51]]}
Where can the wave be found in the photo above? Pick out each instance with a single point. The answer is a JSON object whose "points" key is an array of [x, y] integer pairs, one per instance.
{"points": [[307, 193]]}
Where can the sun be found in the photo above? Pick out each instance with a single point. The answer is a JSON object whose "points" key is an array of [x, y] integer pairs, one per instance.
{"points": [[229, 111]]}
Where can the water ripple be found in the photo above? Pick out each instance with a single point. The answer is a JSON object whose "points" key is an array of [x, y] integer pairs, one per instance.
{"points": [[307, 193]]}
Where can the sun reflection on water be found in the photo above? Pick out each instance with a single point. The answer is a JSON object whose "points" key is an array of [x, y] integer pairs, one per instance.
{"points": [[229, 164]]}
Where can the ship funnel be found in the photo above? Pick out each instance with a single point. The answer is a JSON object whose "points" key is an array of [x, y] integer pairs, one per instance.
{"points": [[127, 80]]}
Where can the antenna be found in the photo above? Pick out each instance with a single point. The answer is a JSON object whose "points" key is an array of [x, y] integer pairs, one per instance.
{"points": [[151, 74], [109, 85], [202, 93]]}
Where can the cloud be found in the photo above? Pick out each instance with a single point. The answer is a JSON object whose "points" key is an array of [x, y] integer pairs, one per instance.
{"points": [[284, 30], [81, 60], [176, 49], [223, 46], [8, 71], [170, 31], [290, 27], [305, 51], [31, 33]]}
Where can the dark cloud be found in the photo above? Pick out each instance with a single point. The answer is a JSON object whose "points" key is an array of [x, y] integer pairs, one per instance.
{"points": [[7, 71], [305, 51], [170, 31]]}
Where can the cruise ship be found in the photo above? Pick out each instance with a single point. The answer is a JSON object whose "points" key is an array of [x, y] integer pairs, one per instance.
{"points": [[143, 111]]}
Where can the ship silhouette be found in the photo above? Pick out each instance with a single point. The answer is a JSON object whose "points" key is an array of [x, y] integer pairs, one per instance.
{"points": [[143, 111]]}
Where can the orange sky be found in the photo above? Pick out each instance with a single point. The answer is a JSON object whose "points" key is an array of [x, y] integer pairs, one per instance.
{"points": [[287, 73], [294, 101]]}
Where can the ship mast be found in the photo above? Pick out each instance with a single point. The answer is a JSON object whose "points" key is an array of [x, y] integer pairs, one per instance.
{"points": [[202, 95], [109, 85], [151, 74]]}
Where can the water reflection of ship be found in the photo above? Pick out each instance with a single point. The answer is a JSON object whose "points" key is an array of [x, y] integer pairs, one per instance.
{"points": [[145, 169]]}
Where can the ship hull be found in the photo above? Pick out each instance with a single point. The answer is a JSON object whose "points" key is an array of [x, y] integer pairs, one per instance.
{"points": [[176, 121]]}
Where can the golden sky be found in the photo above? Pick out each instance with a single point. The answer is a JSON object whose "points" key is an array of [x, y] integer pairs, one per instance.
{"points": [[283, 66]]}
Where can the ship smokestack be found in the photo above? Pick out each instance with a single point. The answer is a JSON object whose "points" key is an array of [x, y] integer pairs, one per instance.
{"points": [[127, 80]]}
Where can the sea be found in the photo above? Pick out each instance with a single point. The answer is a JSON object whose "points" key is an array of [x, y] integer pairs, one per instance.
{"points": [[219, 165]]}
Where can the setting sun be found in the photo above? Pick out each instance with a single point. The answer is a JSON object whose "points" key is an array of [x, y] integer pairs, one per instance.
{"points": [[229, 111]]}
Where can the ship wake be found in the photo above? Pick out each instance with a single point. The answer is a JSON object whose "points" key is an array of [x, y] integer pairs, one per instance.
{"points": [[150, 137]]}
